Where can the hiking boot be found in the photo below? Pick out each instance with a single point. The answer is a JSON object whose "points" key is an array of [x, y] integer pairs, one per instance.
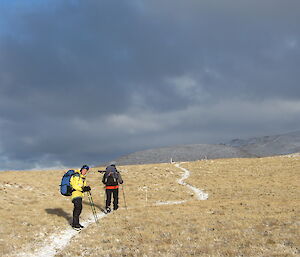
{"points": [[108, 210], [76, 227]]}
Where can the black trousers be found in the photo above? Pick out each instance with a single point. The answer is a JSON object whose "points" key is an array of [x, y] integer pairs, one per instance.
{"points": [[77, 210], [115, 193]]}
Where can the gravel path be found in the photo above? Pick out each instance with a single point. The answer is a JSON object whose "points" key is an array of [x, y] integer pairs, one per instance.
{"points": [[200, 195]]}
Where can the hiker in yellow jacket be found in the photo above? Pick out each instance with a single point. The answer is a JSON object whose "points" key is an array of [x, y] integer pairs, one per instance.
{"points": [[79, 186]]}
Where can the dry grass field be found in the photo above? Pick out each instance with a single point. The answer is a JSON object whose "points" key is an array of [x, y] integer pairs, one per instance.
{"points": [[252, 210]]}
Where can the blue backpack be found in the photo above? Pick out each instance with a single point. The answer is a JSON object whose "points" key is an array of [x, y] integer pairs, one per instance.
{"points": [[65, 186]]}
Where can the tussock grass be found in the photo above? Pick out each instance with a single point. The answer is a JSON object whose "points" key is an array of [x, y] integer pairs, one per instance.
{"points": [[252, 210]]}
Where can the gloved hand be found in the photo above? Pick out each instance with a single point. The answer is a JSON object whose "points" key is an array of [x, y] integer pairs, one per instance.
{"points": [[86, 189]]}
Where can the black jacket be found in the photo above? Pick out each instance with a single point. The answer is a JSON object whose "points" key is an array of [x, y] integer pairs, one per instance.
{"points": [[112, 176]]}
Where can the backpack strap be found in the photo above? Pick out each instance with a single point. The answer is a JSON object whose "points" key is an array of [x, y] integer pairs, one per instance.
{"points": [[76, 174]]}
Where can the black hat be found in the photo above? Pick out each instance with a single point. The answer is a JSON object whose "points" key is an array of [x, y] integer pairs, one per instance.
{"points": [[85, 167]]}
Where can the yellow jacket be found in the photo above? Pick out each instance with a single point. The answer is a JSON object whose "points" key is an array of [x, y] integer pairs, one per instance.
{"points": [[77, 183]]}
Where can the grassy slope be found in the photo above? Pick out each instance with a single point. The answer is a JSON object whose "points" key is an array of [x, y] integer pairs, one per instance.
{"points": [[252, 210]]}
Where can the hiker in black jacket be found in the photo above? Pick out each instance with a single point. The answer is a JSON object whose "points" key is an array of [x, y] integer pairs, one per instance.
{"points": [[112, 178]]}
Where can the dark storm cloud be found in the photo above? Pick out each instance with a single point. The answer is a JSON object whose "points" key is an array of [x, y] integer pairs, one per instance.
{"points": [[86, 81]]}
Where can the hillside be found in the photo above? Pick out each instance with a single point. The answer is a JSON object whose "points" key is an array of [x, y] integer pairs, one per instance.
{"points": [[252, 209], [237, 148], [183, 153], [269, 145]]}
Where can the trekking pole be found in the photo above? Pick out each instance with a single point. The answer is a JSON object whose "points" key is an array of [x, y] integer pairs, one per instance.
{"points": [[92, 206], [89, 197], [124, 196]]}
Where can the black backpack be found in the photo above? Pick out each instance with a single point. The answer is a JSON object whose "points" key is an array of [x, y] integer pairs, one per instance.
{"points": [[111, 176]]}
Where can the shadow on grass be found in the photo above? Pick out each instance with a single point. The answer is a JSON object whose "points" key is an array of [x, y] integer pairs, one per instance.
{"points": [[61, 213], [100, 207]]}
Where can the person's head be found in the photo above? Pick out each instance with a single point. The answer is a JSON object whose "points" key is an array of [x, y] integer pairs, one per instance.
{"points": [[84, 170]]}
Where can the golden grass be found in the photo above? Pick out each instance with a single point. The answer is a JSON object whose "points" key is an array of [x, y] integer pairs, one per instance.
{"points": [[252, 210]]}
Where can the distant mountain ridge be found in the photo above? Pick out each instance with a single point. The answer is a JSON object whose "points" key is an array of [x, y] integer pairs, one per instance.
{"points": [[269, 145], [182, 153], [236, 148]]}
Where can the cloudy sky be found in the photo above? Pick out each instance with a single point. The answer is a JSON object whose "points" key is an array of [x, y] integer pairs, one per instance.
{"points": [[87, 81]]}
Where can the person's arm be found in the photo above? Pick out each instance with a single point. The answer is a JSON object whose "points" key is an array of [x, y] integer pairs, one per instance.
{"points": [[120, 180]]}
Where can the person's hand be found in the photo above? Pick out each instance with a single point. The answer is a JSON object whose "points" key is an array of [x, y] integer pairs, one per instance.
{"points": [[86, 189]]}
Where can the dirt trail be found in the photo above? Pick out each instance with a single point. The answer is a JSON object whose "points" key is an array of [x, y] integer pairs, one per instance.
{"points": [[200, 195], [57, 242]]}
